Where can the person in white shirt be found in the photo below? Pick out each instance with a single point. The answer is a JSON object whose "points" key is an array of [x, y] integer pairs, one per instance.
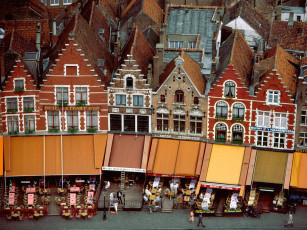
{"points": [[172, 187], [147, 192], [145, 198], [107, 185], [176, 188], [157, 199], [201, 196]]}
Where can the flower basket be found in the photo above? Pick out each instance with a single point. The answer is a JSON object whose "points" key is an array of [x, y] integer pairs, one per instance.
{"points": [[221, 118], [238, 119], [18, 90], [53, 130], [60, 103], [30, 131], [81, 103], [28, 110], [12, 110], [13, 133], [220, 140], [91, 130], [72, 130], [238, 142]]}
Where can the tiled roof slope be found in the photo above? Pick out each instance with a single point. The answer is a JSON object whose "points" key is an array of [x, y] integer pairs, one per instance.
{"points": [[110, 8], [250, 15], [280, 60], [140, 49], [236, 51], [289, 37], [149, 7], [192, 69]]}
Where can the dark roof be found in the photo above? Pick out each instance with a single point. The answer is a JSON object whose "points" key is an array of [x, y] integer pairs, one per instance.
{"points": [[140, 49], [284, 63], [151, 36], [289, 37], [250, 15], [294, 3], [235, 51], [192, 69]]}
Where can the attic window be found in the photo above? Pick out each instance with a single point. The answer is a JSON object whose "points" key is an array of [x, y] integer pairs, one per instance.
{"points": [[2, 32], [100, 64], [30, 56], [100, 33], [71, 69]]}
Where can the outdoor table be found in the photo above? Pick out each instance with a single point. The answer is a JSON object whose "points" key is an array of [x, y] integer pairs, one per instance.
{"points": [[170, 195], [89, 195], [13, 189], [72, 198], [11, 195], [152, 197], [30, 199], [74, 189], [66, 214], [154, 190], [84, 214], [30, 190], [92, 187], [188, 192], [15, 215], [36, 214], [186, 198]]}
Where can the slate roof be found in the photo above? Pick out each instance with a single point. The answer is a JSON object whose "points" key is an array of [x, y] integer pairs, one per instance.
{"points": [[149, 7], [284, 62], [140, 49], [192, 69], [235, 51], [289, 37], [250, 15]]}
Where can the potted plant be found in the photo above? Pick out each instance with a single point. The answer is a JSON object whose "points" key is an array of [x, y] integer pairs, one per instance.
{"points": [[30, 131], [53, 130], [60, 103]]}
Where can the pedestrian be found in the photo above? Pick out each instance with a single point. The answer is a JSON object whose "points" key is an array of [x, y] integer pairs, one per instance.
{"points": [[119, 197], [290, 220], [200, 221], [115, 204], [107, 185], [191, 216]]}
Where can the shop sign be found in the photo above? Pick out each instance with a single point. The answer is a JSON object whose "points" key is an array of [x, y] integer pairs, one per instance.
{"points": [[178, 137], [124, 169], [71, 108], [220, 186], [272, 130], [165, 175]]}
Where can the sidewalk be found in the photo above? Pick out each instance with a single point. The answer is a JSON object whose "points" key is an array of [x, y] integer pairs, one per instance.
{"points": [[176, 220]]}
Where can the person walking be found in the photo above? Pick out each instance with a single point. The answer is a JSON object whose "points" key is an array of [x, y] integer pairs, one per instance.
{"points": [[200, 221], [290, 220], [191, 216], [119, 197]]}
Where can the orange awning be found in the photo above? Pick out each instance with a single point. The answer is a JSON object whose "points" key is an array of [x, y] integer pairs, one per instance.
{"points": [[53, 155], [205, 165], [166, 157], [302, 178], [152, 155], [100, 141], [187, 158], [78, 155], [26, 156], [1, 156], [6, 152]]}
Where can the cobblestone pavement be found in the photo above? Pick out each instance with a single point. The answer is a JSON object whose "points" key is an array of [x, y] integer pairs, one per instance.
{"points": [[176, 220]]}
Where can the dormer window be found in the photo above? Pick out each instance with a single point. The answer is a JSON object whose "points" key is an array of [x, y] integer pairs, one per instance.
{"points": [[71, 69], [179, 96], [273, 97], [100, 33], [230, 89], [129, 82], [19, 85]]}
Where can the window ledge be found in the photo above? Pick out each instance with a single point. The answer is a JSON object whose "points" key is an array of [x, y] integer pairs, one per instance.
{"points": [[178, 103]]}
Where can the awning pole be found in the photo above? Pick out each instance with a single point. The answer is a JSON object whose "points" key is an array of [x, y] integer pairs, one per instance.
{"points": [[44, 164], [255, 163], [62, 158]]}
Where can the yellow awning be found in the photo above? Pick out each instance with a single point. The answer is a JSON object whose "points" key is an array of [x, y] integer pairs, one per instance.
{"points": [[270, 167], [225, 164], [302, 179], [295, 169], [1, 156]]}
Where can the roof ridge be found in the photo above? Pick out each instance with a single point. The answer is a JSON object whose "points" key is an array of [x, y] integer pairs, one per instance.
{"points": [[12, 37], [92, 12], [134, 40]]}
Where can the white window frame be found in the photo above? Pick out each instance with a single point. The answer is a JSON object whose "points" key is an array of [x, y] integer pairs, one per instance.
{"points": [[19, 79], [273, 93], [121, 95], [280, 121], [7, 123], [262, 119], [278, 136], [303, 115], [138, 96], [260, 134], [304, 137], [24, 123], [69, 65], [67, 2], [175, 44], [54, 2]]}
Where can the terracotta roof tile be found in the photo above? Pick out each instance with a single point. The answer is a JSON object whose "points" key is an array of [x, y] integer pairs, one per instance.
{"points": [[236, 51], [288, 37], [250, 15], [140, 49]]}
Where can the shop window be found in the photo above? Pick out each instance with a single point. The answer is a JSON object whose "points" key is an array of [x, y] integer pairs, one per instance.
{"points": [[28, 104], [72, 120], [179, 96], [196, 100], [116, 122], [120, 99], [81, 96], [11, 105], [138, 100], [304, 117], [53, 120], [262, 138], [143, 124], [263, 119], [303, 139], [162, 122], [12, 124], [62, 95], [230, 89], [179, 123], [92, 120], [237, 133], [221, 109], [280, 120], [29, 124], [129, 123], [19, 85], [238, 111], [273, 97], [129, 82], [279, 140], [221, 132], [195, 124]]}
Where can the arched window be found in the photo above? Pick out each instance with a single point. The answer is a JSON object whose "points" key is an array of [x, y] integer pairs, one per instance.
{"points": [[221, 132], [230, 89], [179, 96], [237, 134], [129, 82], [238, 111], [221, 109]]}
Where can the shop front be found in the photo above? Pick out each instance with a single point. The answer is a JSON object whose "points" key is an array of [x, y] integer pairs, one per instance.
{"points": [[271, 178], [222, 180], [298, 183], [124, 168]]}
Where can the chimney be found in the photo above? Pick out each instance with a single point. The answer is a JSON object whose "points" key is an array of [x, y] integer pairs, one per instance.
{"points": [[291, 20], [158, 65], [149, 74], [2, 62]]}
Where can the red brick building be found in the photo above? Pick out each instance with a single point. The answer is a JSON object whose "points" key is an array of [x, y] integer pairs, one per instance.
{"points": [[229, 103]]}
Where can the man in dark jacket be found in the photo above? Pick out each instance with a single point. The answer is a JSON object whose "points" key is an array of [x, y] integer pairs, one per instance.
{"points": [[119, 197], [200, 220]]}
